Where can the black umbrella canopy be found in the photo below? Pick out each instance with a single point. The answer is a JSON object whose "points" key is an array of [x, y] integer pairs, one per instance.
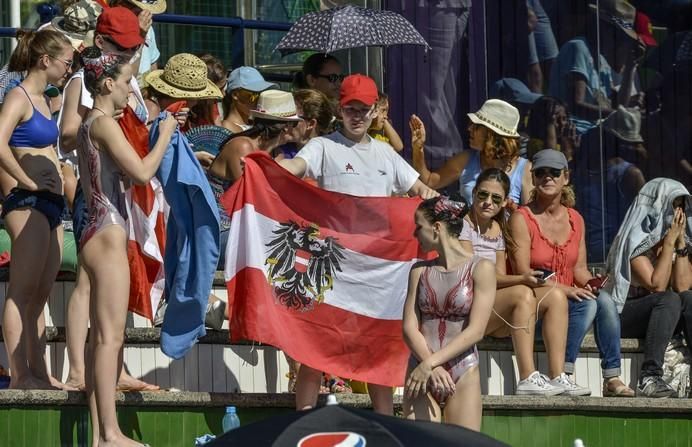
{"points": [[348, 27], [336, 425]]}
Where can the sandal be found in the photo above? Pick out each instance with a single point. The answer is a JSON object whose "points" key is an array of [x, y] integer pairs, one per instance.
{"points": [[614, 387]]}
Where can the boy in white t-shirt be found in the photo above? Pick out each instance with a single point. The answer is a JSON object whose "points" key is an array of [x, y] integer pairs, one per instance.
{"points": [[350, 161]]}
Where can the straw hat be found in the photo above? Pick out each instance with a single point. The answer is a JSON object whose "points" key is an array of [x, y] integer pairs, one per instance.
{"points": [[276, 105], [499, 116], [620, 13], [184, 76], [153, 6], [78, 22]]}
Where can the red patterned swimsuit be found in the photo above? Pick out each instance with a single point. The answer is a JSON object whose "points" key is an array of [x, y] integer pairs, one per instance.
{"points": [[444, 300]]}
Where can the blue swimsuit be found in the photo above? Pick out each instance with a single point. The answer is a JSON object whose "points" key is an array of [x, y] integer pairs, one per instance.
{"points": [[37, 132]]}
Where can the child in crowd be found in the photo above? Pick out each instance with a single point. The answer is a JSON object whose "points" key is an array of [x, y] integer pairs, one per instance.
{"points": [[449, 301], [381, 128]]}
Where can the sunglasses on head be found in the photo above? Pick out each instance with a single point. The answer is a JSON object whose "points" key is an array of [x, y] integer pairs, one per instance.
{"points": [[333, 78], [483, 196], [544, 172]]}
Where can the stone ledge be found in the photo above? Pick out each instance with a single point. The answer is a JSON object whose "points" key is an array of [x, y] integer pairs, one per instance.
{"points": [[151, 336], [183, 399]]}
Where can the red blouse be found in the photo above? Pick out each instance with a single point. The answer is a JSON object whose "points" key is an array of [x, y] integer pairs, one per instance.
{"points": [[545, 254]]}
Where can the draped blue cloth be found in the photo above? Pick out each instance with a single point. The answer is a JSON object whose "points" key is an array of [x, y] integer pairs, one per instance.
{"points": [[192, 244]]}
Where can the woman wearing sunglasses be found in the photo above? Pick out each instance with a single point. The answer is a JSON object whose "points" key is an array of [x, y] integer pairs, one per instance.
{"points": [[321, 72], [548, 234], [519, 298], [32, 210], [495, 144], [242, 92]]}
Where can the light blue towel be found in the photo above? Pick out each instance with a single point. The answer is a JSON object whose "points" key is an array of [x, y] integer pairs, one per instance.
{"points": [[192, 244]]}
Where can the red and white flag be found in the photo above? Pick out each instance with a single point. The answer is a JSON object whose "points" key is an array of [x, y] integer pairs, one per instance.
{"points": [[321, 275], [147, 211]]}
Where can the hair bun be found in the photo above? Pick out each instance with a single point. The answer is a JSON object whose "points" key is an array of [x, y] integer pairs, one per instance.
{"points": [[457, 209]]}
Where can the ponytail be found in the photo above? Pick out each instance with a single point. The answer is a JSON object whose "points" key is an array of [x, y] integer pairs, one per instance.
{"points": [[34, 44]]}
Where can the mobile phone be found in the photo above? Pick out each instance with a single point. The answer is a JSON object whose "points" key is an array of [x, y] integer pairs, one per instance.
{"points": [[547, 274], [597, 283]]}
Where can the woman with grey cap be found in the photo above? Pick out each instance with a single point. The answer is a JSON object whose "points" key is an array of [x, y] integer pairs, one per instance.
{"points": [[548, 234]]}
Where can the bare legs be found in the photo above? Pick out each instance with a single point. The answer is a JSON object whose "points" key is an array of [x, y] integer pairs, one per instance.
{"points": [[105, 261], [517, 305], [77, 327], [308, 388], [463, 408], [34, 265]]}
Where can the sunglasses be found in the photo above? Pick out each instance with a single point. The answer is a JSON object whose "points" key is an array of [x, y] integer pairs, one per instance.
{"points": [[483, 196], [68, 64], [333, 78], [545, 172], [250, 96]]}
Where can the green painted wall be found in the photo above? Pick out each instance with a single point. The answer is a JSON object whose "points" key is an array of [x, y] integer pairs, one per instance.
{"points": [[31, 427]]}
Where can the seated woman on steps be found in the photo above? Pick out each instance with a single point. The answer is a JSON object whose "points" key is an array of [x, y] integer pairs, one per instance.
{"points": [[449, 301]]}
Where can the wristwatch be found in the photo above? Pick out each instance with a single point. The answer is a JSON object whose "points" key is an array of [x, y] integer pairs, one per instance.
{"points": [[685, 251]]}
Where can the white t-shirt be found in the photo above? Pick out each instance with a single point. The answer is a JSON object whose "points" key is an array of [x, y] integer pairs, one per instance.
{"points": [[359, 169]]}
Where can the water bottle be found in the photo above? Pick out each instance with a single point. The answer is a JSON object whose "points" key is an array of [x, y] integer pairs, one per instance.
{"points": [[578, 443], [230, 420]]}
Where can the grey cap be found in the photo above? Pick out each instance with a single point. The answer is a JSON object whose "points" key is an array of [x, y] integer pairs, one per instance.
{"points": [[549, 158]]}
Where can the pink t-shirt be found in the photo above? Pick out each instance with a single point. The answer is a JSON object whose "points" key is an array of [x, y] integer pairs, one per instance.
{"points": [[561, 259], [485, 247]]}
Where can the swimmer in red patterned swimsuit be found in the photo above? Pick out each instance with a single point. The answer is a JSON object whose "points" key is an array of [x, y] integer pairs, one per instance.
{"points": [[447, 308]]}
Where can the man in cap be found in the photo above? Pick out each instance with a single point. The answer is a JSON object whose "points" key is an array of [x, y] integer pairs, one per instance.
{"points": [[350, 161], [144, 10]]}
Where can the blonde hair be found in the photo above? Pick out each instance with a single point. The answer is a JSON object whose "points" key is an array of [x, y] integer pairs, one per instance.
{"points": [[34, 44], [496, 146]]}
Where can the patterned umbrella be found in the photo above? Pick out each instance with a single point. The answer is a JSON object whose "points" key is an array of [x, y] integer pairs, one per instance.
{"points": [[348, 27]]}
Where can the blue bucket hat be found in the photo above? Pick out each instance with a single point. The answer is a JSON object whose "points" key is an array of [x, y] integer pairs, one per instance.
{"points": [[248, 78], [513, 90]]}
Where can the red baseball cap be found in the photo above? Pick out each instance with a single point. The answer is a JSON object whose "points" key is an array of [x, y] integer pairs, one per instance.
{"points": [[121, 25], [642, 25], [358, 87]]}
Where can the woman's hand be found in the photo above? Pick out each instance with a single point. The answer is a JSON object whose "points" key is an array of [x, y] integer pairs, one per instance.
{"points": [[145, 20], [441, 382], [168, 125], [579, 294], [676, 229], [417, 133], [205, 159], [533, 279], [418, 379]]}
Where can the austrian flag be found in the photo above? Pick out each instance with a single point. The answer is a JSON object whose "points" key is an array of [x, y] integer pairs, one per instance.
{"points": [[320, 275]]}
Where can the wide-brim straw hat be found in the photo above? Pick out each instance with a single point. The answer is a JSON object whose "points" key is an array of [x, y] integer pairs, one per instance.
{"points": [[499, 116], [184, 76], [276, 105], [153, 6]]}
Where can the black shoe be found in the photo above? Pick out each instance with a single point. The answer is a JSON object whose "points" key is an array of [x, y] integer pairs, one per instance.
{"points": [[654, 386]]}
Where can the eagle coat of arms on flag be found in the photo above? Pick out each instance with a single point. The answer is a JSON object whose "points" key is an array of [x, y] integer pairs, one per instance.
{"points": [[301, 266]]}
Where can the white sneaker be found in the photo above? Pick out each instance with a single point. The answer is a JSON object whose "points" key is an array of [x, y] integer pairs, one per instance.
{"points": [[538, 385], [569, 387]]}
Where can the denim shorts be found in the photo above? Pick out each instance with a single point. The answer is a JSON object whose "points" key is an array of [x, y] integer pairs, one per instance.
{"points": [[47, 203]]}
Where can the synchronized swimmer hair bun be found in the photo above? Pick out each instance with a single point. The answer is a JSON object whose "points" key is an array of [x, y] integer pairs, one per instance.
{"points": [[454, 208], [97, 62]]}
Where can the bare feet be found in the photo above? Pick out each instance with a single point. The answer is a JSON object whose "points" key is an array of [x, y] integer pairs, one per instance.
{"points": [[128, 383], [121, 441], [75, 385], [63, 386]]}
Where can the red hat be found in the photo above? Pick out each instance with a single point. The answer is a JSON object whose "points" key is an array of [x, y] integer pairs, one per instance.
{"points": [[121, 25], [642, 25], [358, 87]]}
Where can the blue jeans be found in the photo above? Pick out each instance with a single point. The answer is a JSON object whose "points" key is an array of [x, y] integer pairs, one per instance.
{"points": [[603, 313]]}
